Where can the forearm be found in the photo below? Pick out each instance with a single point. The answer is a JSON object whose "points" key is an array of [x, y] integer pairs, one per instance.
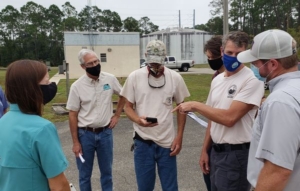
{"points": [[59, 183], [120, 106], [207, 140], [220, 116], [181, 120], [73, 123], [131, 114]]}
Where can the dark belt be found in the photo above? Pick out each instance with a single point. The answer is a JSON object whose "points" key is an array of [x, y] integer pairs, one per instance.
{"points": [[94, 129], [137, 137], [229, 147]]}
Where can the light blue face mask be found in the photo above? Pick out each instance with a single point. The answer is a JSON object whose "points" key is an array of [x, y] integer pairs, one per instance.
{"points": [[256, 73], [231, 63]]}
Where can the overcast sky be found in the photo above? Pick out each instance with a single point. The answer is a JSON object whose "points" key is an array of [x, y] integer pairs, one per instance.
{"points": [[163, 13]]}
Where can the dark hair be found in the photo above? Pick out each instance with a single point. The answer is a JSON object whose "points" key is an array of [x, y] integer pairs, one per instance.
{"points": [[213, 45], [22, 85], [239, 38]]}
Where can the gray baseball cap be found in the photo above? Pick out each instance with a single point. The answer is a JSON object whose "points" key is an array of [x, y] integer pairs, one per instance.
{"points": [[155, 52]]}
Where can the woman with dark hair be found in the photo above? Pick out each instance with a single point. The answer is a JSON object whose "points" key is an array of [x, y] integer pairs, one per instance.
{"points": [[31, 156], [212, 49]]}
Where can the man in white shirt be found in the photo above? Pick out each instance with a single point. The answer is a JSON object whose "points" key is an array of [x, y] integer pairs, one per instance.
{"points": [[232, 102], [150, 92], [91, 119], [274, 161]]}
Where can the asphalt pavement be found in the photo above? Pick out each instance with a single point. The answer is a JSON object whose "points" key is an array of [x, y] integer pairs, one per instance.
{"points": [[189, 173]]}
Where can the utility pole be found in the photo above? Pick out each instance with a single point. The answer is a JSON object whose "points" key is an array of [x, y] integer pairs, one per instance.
{"points": [[89, 4], [194, 19], [179, 21], [225, 17]]}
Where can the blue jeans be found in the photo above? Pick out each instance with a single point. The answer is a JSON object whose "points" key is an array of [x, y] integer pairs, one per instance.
{"points": [[146, 157], [102, 143]]}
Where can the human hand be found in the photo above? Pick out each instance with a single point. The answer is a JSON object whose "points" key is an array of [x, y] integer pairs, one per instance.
{"points": [[176, 146], [144, 123], [113, 121], [77, 149], [183, 108], [204, 162]]}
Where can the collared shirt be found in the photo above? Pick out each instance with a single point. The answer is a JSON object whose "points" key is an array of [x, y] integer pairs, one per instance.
{"points": [[3, 102], [276, 131], [30, 152], [93, 99]]}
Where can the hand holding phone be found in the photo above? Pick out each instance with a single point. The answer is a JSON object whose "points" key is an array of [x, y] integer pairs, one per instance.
{"points": [[151, 119]]}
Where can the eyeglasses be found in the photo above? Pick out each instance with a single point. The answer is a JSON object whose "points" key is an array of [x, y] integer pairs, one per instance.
{"points": [[156, 85], [92, 63]]}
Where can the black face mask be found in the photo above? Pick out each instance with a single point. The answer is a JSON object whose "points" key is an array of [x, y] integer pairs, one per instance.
{"points": [[49, 92], [215, 64], [94, 71]]}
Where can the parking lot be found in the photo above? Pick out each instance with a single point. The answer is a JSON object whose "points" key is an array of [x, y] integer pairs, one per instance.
{"points": [[189, 173]]}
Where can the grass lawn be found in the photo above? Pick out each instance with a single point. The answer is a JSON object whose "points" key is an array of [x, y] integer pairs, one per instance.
{"points": [[201, 66], [197, 84]]}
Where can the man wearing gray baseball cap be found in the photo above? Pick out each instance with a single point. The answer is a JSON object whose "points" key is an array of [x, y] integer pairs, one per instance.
{"points": [[274, 160], [150, 94]]}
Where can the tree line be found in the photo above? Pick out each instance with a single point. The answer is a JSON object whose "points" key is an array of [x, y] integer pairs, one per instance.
{"points": [[36, 32], [255, 16]]}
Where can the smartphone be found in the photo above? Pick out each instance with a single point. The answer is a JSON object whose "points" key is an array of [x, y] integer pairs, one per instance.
{"points": [[151, 119]]}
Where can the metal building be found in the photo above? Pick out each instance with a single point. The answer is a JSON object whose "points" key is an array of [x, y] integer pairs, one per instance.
{"points": [[184, 44], [118, 52]]}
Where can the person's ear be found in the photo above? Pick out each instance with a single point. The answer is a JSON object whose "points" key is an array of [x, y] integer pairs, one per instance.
{"points": [[82, 66], [274, 64], [221, 49]]}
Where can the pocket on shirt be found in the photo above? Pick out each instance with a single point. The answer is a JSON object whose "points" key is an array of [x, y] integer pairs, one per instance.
{"points": [[105, 97], [168, 100]]}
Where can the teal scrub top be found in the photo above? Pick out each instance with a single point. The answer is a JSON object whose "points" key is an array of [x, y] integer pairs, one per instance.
{"points": [[30, 152]]}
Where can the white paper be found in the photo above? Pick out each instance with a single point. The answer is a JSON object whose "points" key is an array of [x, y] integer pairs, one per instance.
{"points": [[81, 158], [72, 187], [197, 119]]}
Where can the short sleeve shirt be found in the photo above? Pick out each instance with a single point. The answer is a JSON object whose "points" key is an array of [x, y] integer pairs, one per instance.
{"points": [[243, 87], [276, 131], [155, 102], [93, 99], [30, 152]]}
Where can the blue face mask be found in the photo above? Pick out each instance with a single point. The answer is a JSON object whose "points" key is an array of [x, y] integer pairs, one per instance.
{"points": [[256, 72], [231, 63]]}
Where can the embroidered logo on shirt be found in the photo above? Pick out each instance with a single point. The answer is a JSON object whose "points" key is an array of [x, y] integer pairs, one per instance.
{"points": [[168, 100], [231, 91], [106, 87]]}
